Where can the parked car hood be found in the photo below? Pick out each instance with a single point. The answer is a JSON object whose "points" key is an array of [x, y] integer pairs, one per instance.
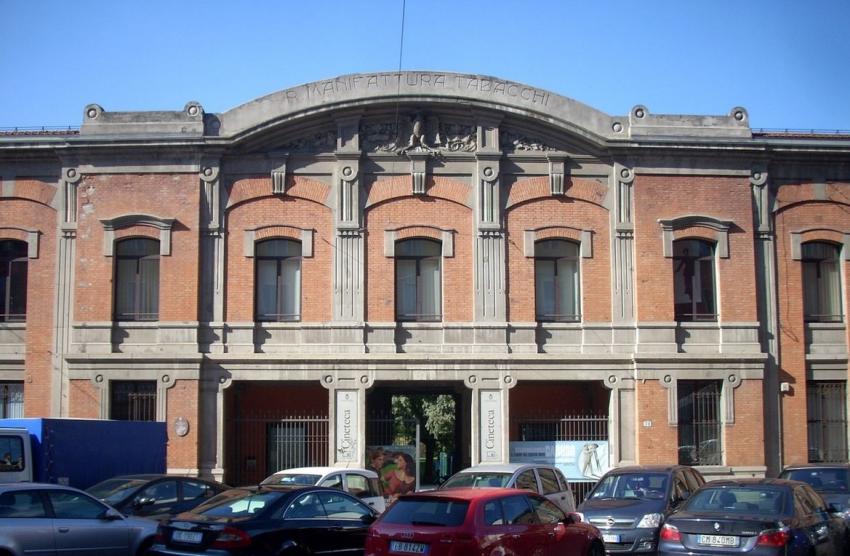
{"points": [[632, 507]]}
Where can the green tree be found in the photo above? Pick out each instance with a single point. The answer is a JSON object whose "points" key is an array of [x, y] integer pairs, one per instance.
{"points": [[436, 415]]}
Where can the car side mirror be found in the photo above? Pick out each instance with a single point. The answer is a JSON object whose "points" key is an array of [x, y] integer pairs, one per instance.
{"points": [[368, 519], [572, 517], [142, 502], [111, 514], [833, 509]]}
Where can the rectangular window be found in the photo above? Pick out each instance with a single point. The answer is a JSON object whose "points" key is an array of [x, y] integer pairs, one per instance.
{"points": [[11, 400], [132, 400], [827, 421], [700, 422]]}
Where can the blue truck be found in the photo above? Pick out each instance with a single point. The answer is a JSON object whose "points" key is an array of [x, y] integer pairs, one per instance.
{"points": [[79, 452]]}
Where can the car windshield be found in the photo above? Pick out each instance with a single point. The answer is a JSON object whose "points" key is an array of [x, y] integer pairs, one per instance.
{"points": [[635, 486], [477, 480], [751, 500], [291, 479], [821, 479], [113, 491], [238, 503], [437, 513]]}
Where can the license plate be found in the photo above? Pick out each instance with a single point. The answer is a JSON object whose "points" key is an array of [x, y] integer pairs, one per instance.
{"points": [[408, 547], [610, 538], [717, 540], [187, 536]]}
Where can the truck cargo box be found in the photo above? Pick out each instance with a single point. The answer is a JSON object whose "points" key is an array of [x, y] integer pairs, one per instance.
{"points": [[82, 452]]}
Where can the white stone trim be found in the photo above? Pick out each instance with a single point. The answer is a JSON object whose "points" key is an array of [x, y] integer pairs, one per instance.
{"points": [[447, 240], [720, 227], [797, 243], [164, 225], [31, 241], [530, 237], [306, 239]]}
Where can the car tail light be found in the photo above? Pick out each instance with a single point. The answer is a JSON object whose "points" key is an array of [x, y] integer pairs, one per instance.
{"points": [[159, 538], [231, 537], [670, 533], [776, 538]]}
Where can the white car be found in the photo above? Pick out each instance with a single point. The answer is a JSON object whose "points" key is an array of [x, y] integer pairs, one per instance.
{"points": [[546, 480], [362, 483]]}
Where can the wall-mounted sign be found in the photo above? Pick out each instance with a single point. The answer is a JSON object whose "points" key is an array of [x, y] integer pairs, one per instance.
{"points": [[490, 425], [347, 426]]}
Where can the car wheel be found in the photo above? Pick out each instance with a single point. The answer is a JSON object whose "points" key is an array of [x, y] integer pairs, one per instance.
{"points": [[145, 547], [596, 549]]}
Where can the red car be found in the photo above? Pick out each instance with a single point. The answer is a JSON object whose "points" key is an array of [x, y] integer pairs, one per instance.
{"points": [[480, 522]]}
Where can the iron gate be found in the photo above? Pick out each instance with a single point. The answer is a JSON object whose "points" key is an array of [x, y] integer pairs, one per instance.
{"points": [[263, 444], [827, 421]]}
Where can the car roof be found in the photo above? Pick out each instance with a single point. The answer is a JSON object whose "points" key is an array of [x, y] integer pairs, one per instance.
{"points": [[645, 469], [326, 471], [8, 487], [816, 466], [752, 481], [465, 493], [501, 467]]}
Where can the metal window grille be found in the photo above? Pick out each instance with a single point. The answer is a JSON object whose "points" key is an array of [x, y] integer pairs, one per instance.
{"points": [[261, 444], [700, 422], [133, 400], [11, 400], [827, 421]]}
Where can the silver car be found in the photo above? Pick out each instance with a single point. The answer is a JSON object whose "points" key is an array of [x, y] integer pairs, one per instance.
{"points": [[48, 519], [546, 480]]}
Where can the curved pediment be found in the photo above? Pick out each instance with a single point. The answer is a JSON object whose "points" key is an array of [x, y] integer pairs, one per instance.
{"points": [[363, 90]]}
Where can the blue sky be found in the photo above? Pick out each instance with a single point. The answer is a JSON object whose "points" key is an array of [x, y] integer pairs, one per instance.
{"points": [[786, 61]]}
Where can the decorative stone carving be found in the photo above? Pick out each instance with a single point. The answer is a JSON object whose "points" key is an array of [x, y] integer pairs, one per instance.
{"points": [[419, 133], [318, 142], [516, 142], [279, 179], [557, 169]]}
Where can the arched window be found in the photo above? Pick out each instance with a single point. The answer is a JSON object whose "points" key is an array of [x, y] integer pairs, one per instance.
{"points": [[13, 280], [556, 281], [821, 282], [693, 280], [418, 281], [278, 276], [137, 279]]}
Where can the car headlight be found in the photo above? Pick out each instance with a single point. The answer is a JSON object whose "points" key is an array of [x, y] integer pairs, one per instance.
{"points": [[650, 521]]}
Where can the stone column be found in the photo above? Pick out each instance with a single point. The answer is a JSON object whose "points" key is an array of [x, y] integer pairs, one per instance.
{"points": [[212, 258], [64, 297], [347, 415], [489, 253], [348, 271], [621, 420], [211, 436], [768, 316], [490, 416]]}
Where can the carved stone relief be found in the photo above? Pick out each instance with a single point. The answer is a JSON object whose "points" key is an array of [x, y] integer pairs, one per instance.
{"points": [[418, 132], [516, 142], [317, 142]]}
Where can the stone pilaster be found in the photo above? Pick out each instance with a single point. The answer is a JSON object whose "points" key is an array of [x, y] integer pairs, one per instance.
{"points": [[64, 297], [212, 256], [621, 420], [348, 261], [347, 414], [490, 416], [765, 252], [622, 252], [489, 272]]}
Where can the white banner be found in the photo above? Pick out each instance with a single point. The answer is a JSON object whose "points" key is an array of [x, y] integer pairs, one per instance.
{"points": [[490, 426], [347, 426]]}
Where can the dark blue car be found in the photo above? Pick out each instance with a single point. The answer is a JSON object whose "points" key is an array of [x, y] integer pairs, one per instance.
{"points": [[753, 517]]}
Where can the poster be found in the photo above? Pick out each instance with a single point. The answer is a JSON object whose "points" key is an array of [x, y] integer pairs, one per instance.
{"points": [[395, 466], [578, 460]]}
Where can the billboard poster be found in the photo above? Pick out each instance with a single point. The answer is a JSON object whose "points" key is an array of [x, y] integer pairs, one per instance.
{"points": [[578, 460], [395, 466]]}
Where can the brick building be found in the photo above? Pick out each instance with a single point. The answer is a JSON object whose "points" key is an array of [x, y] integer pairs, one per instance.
{"points": [[286, 267]]}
